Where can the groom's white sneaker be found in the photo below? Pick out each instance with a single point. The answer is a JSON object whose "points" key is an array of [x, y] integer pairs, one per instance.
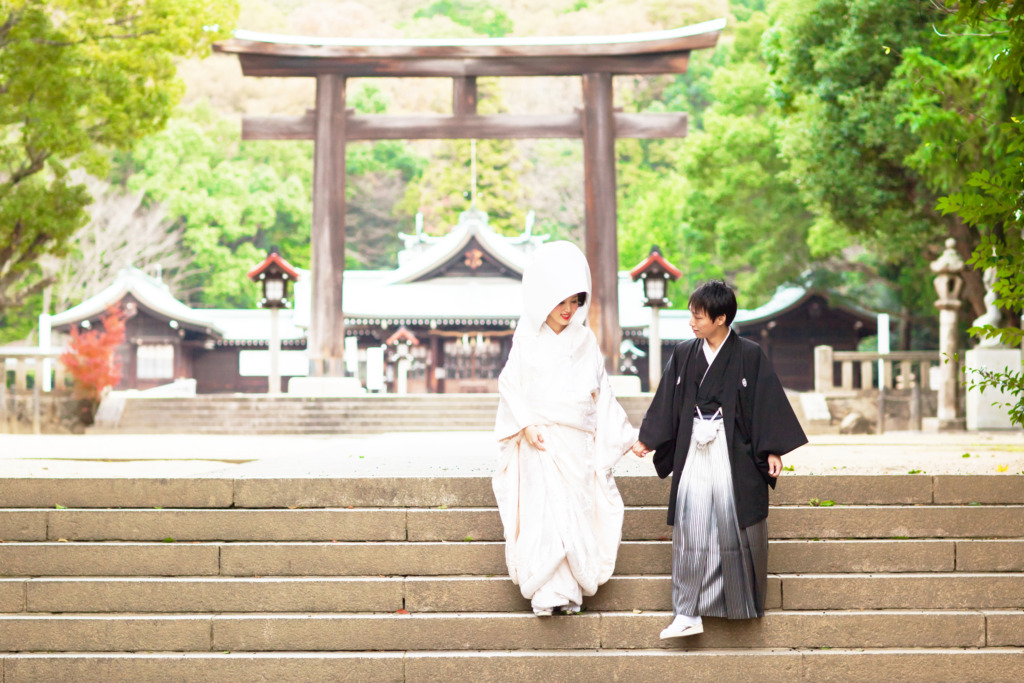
{"points": [[683, 626]]}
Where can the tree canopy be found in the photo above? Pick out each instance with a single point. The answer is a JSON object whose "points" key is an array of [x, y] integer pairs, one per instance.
{"points": [[443, 191], [989, 41], [77, 80], [481, 17], [235, 199]]}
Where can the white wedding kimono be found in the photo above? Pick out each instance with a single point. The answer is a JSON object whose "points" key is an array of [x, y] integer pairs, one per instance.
{"points": [[560, 508]]}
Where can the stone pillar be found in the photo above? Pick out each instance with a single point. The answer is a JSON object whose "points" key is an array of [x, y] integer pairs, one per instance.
{"points": [[3, 395], [45, 344], [401, 357], [948, 283], [402, 375], [824, 380], [274, 375], [987, 409], [654, 352]]}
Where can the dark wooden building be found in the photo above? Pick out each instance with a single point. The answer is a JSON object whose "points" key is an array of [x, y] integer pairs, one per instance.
{"points": [[795, 321], [788, 327], [448, 311], [166, 340]]}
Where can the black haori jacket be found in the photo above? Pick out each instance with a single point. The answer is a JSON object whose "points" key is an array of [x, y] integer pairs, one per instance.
{"points": [[758, 419]]}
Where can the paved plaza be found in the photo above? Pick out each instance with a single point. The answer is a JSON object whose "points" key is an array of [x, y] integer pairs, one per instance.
{"points": [[456, 454]]}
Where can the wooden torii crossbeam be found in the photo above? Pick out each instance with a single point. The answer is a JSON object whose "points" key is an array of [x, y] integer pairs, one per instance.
{"points": [[330, 125]]}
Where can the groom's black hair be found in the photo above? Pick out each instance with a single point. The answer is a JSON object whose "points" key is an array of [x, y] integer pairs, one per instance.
{"points": [[714, 298]]}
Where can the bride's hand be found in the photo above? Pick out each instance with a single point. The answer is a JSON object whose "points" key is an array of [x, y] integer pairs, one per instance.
{"points": [[533, 436]]}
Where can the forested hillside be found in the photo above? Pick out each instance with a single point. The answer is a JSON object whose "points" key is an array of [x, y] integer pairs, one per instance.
{"points": [[823, 136]]}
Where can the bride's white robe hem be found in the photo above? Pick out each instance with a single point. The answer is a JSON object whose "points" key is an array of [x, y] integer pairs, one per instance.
{"points": [[560, 508]]}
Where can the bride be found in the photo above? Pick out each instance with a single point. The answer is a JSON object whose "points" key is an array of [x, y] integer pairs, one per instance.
{"points": [[560, 431]]}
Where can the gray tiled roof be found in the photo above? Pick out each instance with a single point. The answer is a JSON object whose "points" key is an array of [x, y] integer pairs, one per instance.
{"points": [[408, 296], [149, 291]]}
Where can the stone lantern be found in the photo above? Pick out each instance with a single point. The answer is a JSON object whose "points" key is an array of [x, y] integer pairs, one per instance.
{"points": [[656, 272], [948, 284], [274, 273], [401, 343]]}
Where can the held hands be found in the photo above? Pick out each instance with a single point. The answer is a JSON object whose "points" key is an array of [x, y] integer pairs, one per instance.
{"points": [[533, 436], [639, 449]]}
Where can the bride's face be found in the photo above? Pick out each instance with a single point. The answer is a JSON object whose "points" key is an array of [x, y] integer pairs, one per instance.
{"points": [[559, 317]]}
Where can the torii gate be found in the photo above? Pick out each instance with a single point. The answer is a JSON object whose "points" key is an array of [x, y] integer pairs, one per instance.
{"points": [[330, 125]]}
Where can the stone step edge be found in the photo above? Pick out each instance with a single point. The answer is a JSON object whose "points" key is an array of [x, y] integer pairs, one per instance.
{"points": [[280, 579], [441, 509], [1004, 663], [216, 494], [491, 542], [610, 652], [208, 418], [823, 479], [585, 614]]}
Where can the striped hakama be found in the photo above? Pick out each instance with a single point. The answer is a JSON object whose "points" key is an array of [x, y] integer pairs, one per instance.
{"points": [[718, 569]]}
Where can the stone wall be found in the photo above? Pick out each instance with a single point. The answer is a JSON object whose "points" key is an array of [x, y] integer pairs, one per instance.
{"points": [[57, 415], [897, 407]]}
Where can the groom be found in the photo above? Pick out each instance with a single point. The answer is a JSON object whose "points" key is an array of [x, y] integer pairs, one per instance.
{"points": [[719, 423]]}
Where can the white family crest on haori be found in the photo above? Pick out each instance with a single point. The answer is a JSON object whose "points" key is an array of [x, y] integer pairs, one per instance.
{"points": [[560, 508]]}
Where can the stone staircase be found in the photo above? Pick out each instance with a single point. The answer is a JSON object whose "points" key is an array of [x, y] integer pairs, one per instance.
{"points": [[262, 414], [906, 578]]}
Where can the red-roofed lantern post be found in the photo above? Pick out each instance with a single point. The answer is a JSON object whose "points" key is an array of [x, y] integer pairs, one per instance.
{"points": [[656, 272], [274, 273]]}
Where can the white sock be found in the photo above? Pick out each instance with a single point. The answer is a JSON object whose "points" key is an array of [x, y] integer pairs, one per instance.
{"points": [[687, 620]]}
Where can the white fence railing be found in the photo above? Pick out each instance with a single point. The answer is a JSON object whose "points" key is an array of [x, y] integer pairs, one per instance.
{"points": [[859, 369], [28, 364]]}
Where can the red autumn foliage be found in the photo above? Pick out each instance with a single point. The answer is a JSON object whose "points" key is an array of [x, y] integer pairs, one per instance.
{"points": [[91, 357]]}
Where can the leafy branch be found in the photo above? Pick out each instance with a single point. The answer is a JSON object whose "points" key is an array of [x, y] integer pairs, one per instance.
{"points": [[1006, 381]]}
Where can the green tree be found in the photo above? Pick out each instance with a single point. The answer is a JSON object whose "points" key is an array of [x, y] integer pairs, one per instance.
{"points": [[378, 174], [652, 213], [968, 106], [743, 196], [234, 199], [482, 17], [720, 202], [78, 79], [836, 76], [443, 191]]}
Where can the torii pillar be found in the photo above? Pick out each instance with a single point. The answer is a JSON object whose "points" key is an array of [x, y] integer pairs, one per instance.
{"points": [[326, 341], [601, 236], [596, 59]]}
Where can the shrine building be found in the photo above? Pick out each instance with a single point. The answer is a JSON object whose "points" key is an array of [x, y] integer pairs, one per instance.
{"points": [[449, 310]]}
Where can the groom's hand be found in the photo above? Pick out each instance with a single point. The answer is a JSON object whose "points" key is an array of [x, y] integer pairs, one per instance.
{"points": [[639, 449]]}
